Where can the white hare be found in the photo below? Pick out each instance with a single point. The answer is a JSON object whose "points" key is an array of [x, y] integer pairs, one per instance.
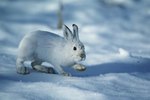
{"points": [[43, 46]]}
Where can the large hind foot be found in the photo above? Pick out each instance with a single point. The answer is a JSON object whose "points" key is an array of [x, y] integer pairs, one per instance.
{"points": [[23, 70], [36, 65], [43, 69]]}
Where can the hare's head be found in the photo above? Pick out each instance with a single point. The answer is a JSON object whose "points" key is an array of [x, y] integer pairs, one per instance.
{"points": [[74, 47]]}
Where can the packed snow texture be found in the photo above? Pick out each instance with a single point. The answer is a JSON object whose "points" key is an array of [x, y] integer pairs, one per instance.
{"points": [[116, 37]]}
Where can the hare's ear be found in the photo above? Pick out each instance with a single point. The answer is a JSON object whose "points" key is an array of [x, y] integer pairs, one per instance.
{"points": [[67, 33], [75, 32]]}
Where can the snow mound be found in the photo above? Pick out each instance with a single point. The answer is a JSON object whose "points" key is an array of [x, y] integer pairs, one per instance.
{"points": [[123, 53]]}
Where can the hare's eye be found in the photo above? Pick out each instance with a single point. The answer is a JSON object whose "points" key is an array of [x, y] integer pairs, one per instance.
{"points": [[74, 48]]}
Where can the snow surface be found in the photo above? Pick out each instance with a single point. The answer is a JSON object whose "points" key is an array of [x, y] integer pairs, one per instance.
{"points": [[116, 37]]}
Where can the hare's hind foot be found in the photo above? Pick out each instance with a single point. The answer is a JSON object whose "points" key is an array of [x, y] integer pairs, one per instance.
{"points": [[36, 65], [79, 67], [44, 69]]}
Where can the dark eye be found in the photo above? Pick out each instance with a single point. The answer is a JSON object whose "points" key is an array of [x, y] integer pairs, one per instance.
{"points": [[74, 48]]}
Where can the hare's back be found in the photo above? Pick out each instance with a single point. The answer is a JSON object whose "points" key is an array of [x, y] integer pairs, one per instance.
{"points": [[40, 35], [46, 39]]}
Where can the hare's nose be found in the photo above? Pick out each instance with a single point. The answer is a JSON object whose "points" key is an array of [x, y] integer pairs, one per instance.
{"points": [[82, 55]]}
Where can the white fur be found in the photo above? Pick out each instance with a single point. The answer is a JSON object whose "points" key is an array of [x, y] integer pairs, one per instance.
{"points": [[43, 46]]}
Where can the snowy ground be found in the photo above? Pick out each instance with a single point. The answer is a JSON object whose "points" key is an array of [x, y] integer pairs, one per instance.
{"points": [[116, 37]]}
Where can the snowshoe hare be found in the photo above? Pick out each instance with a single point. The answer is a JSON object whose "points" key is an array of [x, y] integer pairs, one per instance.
{"points": [[43, 46]]}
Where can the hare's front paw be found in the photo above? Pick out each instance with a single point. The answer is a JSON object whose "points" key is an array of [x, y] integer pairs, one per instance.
{"points": [[66, 74], [79, 67], [23, 70]]}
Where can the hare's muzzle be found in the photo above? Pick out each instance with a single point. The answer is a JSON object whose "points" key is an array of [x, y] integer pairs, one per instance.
{"points": [[82, 55]]}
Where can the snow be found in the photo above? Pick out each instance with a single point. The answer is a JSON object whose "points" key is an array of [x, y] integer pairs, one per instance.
{"points": [[116, 38]]}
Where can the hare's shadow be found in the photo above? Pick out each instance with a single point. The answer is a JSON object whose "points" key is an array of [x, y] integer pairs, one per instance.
{"points": [[94, 70]]}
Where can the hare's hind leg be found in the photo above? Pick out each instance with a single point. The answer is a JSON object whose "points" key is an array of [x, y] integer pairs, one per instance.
{"points": [[21, 69], [36, 65]]}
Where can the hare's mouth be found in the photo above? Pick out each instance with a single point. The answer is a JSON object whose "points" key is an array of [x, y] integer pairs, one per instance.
{"points": [[82, 56], [78, 59], [82, 59]]}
